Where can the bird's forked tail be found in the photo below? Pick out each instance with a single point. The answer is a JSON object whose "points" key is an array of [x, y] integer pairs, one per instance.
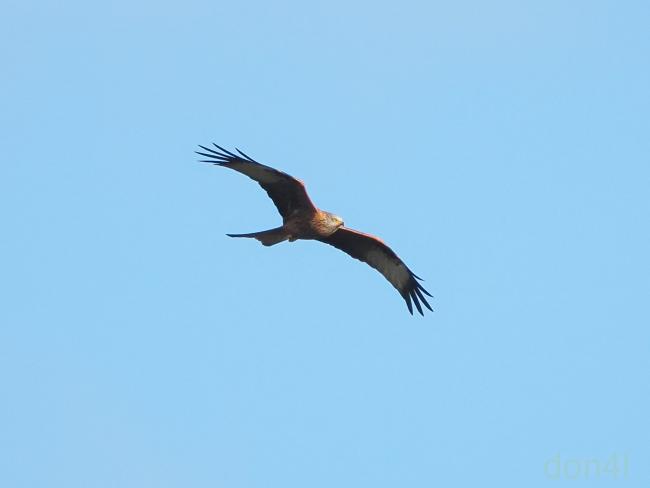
{"points": [[266, 237]]}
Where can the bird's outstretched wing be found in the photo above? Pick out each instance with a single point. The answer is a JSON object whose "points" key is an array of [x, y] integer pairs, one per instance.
{"points": [[373, 251], [288, 193]]}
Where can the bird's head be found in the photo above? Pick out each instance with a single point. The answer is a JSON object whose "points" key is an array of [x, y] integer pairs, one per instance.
{"points": [[335, 220]]}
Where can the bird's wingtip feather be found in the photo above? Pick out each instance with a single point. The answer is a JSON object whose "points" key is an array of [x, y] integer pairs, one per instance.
{"points": [[224, 150], [407, 298]]}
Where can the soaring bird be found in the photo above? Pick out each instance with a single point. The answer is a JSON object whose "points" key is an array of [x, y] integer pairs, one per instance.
{"points": [[301, 219]]}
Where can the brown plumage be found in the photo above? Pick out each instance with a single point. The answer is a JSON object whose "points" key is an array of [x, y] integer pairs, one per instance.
{"points": [[302, 220]]}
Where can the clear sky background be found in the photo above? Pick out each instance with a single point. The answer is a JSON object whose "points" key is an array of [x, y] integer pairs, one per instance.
{"points": [[502, 148]]}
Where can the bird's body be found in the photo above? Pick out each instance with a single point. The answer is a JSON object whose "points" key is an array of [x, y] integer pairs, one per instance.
{"points": [[311, 225], [303, 220], [304, 224]]}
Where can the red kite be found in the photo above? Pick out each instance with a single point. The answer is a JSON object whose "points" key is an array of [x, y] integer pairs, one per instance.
{"points": [[302, 220]]}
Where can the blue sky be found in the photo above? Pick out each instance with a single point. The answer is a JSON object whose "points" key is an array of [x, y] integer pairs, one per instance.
{"points": [[501, 148]]}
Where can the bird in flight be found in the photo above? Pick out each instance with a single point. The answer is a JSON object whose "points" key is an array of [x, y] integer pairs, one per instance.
{"points": [[302, 220]]}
